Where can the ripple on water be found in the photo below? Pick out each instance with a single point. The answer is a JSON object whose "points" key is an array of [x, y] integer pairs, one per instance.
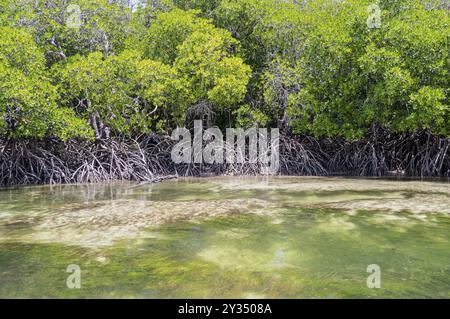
{"points": [[132, 210], [245, 238]]}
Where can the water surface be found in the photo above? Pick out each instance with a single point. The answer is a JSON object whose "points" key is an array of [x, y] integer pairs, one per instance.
{"points": [[227, 238]]}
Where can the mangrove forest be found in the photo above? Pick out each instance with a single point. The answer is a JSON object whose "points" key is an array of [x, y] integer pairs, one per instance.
{"points": [[250, 149], [91, 91]]}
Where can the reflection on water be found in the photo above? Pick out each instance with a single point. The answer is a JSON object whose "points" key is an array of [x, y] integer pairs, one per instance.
{"points": [[227, 237]]}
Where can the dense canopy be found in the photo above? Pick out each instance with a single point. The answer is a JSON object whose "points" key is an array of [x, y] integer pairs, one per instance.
{"points": [[102, 68]]}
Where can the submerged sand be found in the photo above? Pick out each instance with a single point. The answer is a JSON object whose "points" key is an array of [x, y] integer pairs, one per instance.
{"points": [[130, 214]]}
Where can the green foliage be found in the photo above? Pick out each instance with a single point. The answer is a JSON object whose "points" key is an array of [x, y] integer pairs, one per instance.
{"points": [[114, 92], [204, 59], [170, 30], [244, 19], [28, 106], [103, 25], [206, 7], [210, 71], [161, 94], [315, 67], [248, 117], [353, 77], [18, 50], [428, 110]]}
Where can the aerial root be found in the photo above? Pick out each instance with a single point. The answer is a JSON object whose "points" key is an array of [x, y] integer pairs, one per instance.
{"points": [[148, 159]]}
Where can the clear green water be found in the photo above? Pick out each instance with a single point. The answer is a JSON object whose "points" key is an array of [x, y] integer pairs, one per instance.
{"points": [[227, 238]]}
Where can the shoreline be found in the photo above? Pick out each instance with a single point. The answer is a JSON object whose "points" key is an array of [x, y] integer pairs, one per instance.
{"points": [[148, 159], [134, 184]]}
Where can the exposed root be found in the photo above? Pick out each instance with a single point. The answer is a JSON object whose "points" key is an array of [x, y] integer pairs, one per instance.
{"points": [[382, 153], [148, 159]]}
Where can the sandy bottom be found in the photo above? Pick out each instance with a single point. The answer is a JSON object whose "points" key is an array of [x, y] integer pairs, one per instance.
{"points": [[130, 214]]}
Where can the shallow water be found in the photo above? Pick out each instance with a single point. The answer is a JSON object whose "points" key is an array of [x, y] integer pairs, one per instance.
{"points": [[227, 238]]}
